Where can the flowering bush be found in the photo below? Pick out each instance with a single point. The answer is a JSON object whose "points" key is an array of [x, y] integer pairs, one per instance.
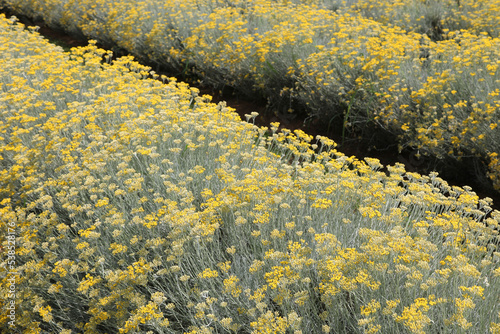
{"points": [[425, 17], [141, 206], [425, 72]]}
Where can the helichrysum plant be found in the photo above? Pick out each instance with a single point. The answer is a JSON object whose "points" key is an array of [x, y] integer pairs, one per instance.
{"points": [[140, 206], [425, 72]]}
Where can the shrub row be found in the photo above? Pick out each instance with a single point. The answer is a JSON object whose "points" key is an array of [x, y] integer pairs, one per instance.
{"points": [[137, 206], [438, 97]]}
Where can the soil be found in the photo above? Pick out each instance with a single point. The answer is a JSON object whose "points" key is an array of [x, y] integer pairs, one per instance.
{"points": [[382, 147]]}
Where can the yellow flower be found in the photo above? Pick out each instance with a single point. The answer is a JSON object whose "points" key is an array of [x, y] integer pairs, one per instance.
{"points": [[208, 273], [117, 248], [372, 307], [45, 313], [269, 322], [88, 282], [224, 266], [231, 286]]}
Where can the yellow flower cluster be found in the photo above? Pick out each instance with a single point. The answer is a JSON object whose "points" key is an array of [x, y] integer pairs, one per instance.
{"points": [[139, 206], [428, 17]]}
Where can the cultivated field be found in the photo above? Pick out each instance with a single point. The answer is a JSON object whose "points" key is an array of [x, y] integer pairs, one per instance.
{"points": [[425, 72], [132, 205]]}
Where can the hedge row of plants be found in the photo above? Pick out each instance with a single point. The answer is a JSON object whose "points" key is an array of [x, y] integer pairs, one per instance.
{"points": [[128, 205], [425, 72]]}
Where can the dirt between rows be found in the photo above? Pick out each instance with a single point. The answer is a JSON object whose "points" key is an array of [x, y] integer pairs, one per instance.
{"points": [[385, 150]]}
